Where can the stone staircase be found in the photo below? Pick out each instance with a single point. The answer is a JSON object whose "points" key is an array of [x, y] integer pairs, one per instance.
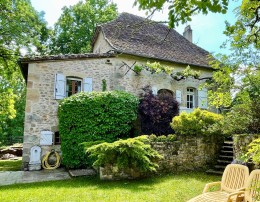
{"points": [[225, 158]]}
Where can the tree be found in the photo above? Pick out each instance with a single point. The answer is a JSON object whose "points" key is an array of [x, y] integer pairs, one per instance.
{"points": [[237, 74], [22, 28], [156, 112], [242, 72], [75, 28], [182, 10]]}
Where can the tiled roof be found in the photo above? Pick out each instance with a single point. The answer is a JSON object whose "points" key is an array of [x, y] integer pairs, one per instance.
{"points": [[23, 62], [65, 57], [139, 36]]}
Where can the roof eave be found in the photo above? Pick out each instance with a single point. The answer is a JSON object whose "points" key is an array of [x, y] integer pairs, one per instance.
{"points": [[162, 59]]}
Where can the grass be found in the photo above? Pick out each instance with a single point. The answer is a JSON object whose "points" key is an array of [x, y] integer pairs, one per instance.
{"points": [[175, 188], [10, 165]]}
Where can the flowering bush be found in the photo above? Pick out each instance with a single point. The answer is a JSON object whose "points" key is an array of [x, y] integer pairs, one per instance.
{"points": [[198, 122]]}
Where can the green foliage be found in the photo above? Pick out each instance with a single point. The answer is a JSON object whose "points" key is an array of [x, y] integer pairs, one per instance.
{"points": [[184, 74], [10, 165], [15, 126], [239, 73], [156, 68], [163, 138], [86, 117], [219, 95], [246, 29], [182, 10], [243, 117], [22, 28], [75, 28], [198, 122], [104, 85], [132, 153], [138, 68], [253, 152]]}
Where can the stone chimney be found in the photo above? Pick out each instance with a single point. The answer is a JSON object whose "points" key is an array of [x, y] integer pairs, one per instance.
{"points": [[188, 33]]}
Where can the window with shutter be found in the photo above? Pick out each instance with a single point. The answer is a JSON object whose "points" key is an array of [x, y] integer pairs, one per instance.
{"points": [[190, 98], [59, 88], [203, 98], [87, 85]]}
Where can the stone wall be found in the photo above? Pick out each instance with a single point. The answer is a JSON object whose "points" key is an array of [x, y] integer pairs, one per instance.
{"points": [[186, 154], [240, 143]]}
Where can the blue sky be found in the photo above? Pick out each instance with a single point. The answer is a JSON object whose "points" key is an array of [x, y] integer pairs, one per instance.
{"points": [[207, 29]]}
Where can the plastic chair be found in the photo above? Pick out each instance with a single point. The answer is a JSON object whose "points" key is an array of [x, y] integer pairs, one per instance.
{"points": [[233, 179], [252, 190]]}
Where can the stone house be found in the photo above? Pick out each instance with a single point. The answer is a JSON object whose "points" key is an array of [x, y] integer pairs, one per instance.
{"points": [[117, 46]]}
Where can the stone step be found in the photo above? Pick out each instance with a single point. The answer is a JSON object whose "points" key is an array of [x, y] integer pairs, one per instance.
{"points": [[227, 147], [225, 156], [220, 167], [215, 172], [224, 161], [228, 142], [226, 151]]}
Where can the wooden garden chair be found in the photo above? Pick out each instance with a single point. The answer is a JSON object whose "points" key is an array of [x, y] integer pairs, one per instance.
{"points": [[233, 179], [251, 192]]}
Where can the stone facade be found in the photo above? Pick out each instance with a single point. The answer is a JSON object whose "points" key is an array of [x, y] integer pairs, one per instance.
{"points": [[41, 105], [186, 154]]}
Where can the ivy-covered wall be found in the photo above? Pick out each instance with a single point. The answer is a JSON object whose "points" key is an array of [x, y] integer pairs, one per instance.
{"points": [[240, 143]]}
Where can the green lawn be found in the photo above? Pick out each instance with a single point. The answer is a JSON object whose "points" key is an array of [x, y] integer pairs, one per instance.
{"points": [[10, 165], [174, 188]]}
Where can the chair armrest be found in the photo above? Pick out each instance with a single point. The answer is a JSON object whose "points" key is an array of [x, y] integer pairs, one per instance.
{"points": [[207, 186], [239, 196]]}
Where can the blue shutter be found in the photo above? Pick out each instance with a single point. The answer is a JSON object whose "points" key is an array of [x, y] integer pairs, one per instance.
{"points": [[87, 85], [59, 87], [178, 96], [203, 98]]}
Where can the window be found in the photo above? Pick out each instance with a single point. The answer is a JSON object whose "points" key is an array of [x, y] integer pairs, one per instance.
{"points": [[190, 98], [165, 92], [73, 86], [57, 139], [67, 86]]}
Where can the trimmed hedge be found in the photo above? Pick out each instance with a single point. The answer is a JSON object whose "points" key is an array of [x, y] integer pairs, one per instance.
{"points": [[86, 117], [198, 122]]}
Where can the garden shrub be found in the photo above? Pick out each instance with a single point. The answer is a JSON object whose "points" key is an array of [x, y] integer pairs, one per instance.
{"points": [[86, 117], [156, 112], [163, 138], [253, 152], [198, 122], [135, 153]]}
